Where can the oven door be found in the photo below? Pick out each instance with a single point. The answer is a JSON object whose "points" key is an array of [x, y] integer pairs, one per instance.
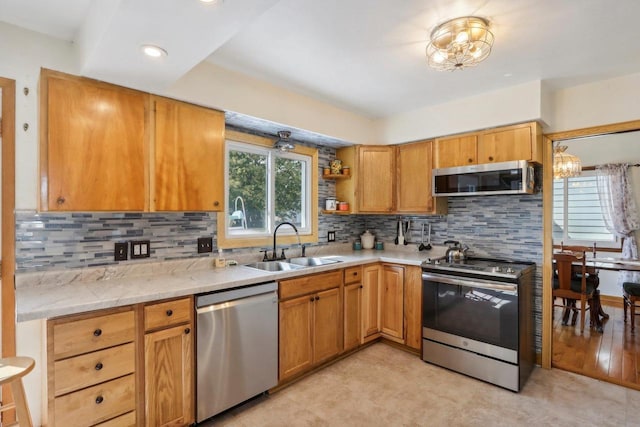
{"points": [[472, 314]]}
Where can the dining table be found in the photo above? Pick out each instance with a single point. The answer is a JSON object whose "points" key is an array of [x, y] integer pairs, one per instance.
{"points": [[593, 265]]}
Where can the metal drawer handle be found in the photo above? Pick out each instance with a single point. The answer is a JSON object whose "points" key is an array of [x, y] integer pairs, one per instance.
{"points": [[97, 332], [187, 330], [169, 312], [98, 366], [99, 400]]}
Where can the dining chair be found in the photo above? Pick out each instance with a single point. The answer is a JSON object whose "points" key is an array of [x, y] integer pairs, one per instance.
{"points": [[12, 369], [631, 295], [572, 286]]}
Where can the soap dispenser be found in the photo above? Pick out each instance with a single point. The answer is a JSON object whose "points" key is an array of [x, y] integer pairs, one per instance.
{"points": [[220, 261]]}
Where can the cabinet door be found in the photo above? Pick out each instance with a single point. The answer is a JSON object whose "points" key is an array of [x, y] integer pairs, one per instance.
{"points": [[370, 302], [414, 179], [327, 325], [376, 178], [505, 145], [455, 151], [413, 307], [352, 315], [92, 146], [169, 374], [189, 157], [393, 302], [296, 321]]}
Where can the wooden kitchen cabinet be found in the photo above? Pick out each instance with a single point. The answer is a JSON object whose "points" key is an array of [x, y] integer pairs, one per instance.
{"points": [[413, 307], [414, 180], [516, 142], [352, 307], [91, 365], [169, 363], [376, 183], [371, 283], [93, 142], [310, 326], [392, 301], [188, 166]]}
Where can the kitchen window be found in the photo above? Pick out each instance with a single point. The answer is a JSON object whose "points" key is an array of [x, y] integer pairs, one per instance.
{"points": [[577, 215], [265, 187]]}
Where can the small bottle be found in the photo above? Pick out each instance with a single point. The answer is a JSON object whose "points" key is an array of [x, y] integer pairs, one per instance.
{"points": [[220, 261]]}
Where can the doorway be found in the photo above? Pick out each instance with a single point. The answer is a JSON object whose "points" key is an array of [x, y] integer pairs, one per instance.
{"points": [[611, 355]]}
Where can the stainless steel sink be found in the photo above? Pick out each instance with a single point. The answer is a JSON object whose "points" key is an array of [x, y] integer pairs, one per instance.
{"points": [[311, 261], [274, 266]]}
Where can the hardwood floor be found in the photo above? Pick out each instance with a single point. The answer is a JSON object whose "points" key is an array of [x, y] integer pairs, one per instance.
{"points": [[612, 356]]}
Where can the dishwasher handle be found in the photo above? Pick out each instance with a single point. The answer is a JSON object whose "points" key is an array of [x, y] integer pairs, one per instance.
{"points": [[234, 294], [254, 299]]}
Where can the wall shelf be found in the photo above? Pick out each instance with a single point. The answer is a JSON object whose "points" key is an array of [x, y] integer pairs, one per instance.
{"points": [[324, 211], [336, 176]]}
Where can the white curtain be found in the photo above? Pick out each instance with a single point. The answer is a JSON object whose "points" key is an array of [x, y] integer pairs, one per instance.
{"points": [[619, 211]]}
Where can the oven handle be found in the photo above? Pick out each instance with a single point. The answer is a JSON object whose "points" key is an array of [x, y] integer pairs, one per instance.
{"points": [[470, 283]]}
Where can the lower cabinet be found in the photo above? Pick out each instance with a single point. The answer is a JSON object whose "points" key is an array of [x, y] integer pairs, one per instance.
{"points": [[169, 363], [311, 325], [371, 283], [413, 307], [392, 317], [91, 368], [352, 307]]}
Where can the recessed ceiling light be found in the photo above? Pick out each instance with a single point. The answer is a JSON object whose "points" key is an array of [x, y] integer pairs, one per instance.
{"points": [[508, 74], [212, 1], [153, 51]]}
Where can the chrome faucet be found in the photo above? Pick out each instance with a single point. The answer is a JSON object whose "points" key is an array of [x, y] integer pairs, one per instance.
{"points": [[274, 256]]}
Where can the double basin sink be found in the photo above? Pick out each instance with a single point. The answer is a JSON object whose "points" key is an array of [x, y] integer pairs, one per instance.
{"points": [[291, 264]]}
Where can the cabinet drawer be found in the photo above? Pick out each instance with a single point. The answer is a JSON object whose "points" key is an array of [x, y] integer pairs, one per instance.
{"points": [[93, 368], [126, 420], [167, 313], [308, 284], [95, 404], [352, 275], [94, 333]]}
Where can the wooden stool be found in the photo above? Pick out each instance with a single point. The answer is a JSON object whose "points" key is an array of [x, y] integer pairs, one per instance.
{"points": [[12, 369], [631, 294]]}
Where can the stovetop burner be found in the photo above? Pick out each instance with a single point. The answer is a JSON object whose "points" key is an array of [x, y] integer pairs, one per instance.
{"points": [[491, 267]]}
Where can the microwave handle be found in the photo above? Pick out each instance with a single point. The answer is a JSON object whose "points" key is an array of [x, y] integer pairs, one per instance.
{"points": [[470, 283]]}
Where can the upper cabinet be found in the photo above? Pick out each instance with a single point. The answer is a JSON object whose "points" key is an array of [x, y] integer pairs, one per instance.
{"points": [[517, 142], [188, 167], [92, 146], [389, 179], [376, 179], [413, 192], [108, 148]]}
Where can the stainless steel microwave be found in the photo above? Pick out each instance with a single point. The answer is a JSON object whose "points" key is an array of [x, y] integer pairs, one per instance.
{"points": [[515, 177]]}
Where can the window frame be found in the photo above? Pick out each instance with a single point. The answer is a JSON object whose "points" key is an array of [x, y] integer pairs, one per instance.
{"points": [[285, 234], [614, 246]]}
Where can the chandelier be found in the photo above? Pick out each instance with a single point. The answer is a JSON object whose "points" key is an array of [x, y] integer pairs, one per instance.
{"points": [[459, 43], [565, 165]]}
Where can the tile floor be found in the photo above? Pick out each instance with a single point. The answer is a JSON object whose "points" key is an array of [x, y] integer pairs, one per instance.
{"points": [[384, 386]]}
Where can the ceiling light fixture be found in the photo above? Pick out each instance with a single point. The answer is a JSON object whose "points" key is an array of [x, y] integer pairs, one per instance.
{"points": [[283, 143], [153, 51], [565, 165], [459, 43]]}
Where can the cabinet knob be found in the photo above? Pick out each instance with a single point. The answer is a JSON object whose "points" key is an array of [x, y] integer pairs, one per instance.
{"points": [[470, 160], [187, 331], [99, 400], [216, 203], [60, 200], [97, 332], [361, 286], [491, 158], [311, 299], [317, 298], [169, 312], [98, 366]]}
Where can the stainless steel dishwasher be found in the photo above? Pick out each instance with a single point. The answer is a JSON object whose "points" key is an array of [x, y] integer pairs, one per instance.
{"points": [[237, 346]]}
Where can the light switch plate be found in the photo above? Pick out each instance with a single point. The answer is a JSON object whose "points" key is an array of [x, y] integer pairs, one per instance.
{"points": [[140, 249]]}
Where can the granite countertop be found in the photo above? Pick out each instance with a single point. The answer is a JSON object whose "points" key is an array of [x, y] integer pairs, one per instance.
{"points": [[52, 294]]}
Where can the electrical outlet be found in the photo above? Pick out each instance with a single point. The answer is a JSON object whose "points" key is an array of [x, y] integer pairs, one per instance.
{"points": [[205, 244], [120, 251], [331, 236], [140, 249]]}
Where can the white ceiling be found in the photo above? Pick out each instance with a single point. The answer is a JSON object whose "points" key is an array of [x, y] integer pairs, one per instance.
{"points": [[366, 56]]}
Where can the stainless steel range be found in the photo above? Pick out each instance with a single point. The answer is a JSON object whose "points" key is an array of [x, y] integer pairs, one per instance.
{"points": [[477, 318]]}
